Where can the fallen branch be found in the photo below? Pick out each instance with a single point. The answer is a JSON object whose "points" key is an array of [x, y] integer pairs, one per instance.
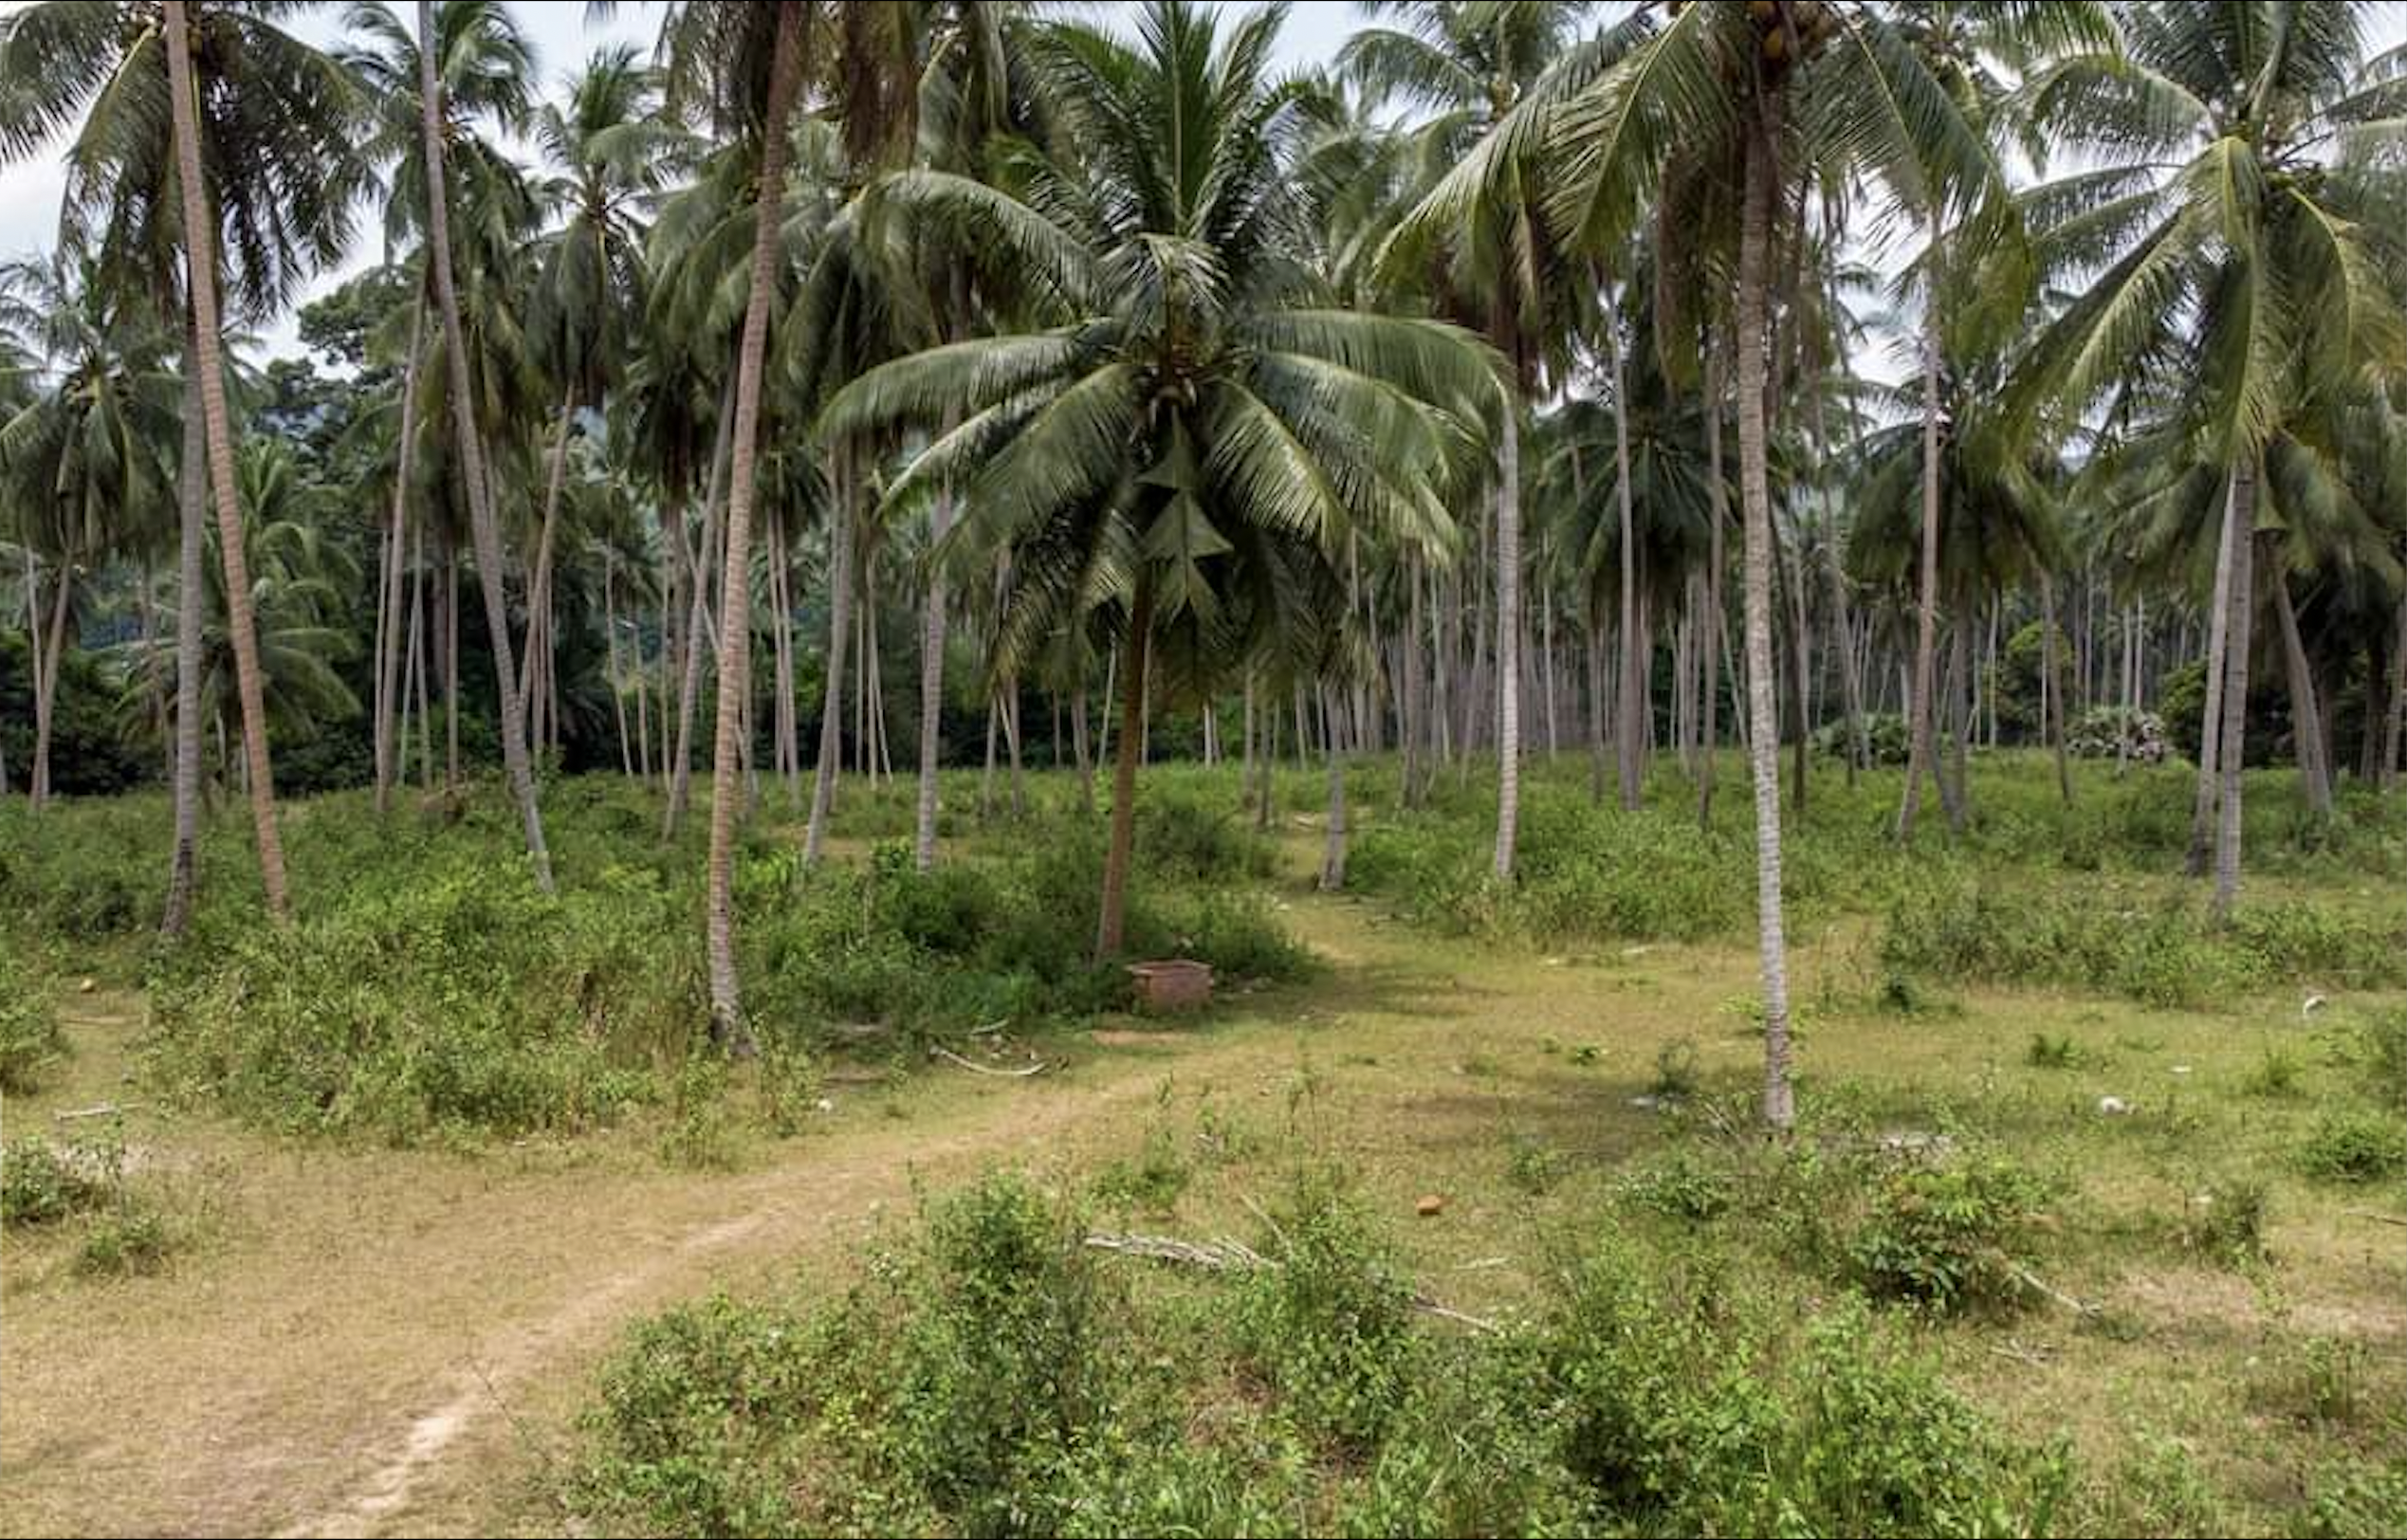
{"points": [[2378, 1219], [975, 1068], [103, 1110], [1229, 1256], [2033, 1281]]}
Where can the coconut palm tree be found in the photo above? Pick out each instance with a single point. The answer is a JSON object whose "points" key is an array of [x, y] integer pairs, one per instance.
{"points": [[2213, 202], [468, 441], [1496, 264], [1745, 98], [1172, 452], [267, 104]]}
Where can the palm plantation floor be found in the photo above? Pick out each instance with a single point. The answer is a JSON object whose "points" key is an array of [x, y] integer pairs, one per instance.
{"points": [[374, 1341]]}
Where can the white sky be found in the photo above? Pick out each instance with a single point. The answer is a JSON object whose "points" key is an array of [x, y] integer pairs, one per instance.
{"points": [[30, 189]]}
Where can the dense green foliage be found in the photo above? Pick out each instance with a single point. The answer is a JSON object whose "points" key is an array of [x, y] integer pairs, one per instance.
{"points": [[29, 1035]]}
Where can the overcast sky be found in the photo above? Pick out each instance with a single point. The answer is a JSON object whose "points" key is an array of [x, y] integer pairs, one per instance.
{"points": [[30, 189]]}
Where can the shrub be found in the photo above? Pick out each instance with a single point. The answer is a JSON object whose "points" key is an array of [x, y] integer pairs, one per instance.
{"points": [[1944, 1235], [30, 1039], [42, 1183], [2385, 1040], [1683, 1187], [463, 1000], [2103, 732], [2225, 1221], [2351, 1499], [1330, 1329], [2274, 1075], [1533, 1166], [2354, 1145]]}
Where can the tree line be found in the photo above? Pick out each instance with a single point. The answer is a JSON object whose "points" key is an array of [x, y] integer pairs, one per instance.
{"points": [[1431, 402]]}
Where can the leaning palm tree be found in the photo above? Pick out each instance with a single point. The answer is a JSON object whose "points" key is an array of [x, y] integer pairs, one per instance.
{"points": [[1173, 449], [2213, 203], [269, 104], [468, 443]]}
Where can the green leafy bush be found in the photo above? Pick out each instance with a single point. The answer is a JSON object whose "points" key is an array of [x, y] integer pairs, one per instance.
{"points": [[2225, 1220], [42, 1182], [463, 999], [30, 1039], [1330, 1329], [1945, 1235], [2354, 1145]]}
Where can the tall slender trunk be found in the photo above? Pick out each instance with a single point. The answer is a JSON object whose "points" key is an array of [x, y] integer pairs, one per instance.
{"points": [[2235, 688], [539, 627], [451, 668], [2387, 771], [931, 685], [389, 656], [1332, 855], [201, 285], [1411, 727], [1918, 753], [785, 74], [516, 759], [617, 695], [1717, 505], [46, 660], [2052, 692], [1508, 582], [697, 626], [839, 580], [2306, 717], [1112, 926], [1754, 241], [1628, 735], [191, 589], [2228, 547]]}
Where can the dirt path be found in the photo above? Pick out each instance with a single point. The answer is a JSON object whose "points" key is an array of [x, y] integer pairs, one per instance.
{"points": [[393, 1342]]}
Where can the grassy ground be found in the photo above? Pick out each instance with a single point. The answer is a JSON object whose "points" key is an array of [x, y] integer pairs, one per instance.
{"points": [[369, 1339]]}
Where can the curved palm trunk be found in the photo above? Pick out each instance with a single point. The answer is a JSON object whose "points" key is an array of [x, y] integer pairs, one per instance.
{"points": [[1112, 925], [45, 661], [482, 530], [539, 593], [183, 864], [201, 283], [2211, 722], [697, 631], [1917, 752], [1755, 495], [1508, 606], [735, 589], [2235, 688], [389, 656]]}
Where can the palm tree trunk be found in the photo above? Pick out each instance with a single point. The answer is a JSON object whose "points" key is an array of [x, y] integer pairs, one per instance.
{"points": [[931, 686], [1754, 243], [538, 597], [2052, 694], [483, 529], [1508, 584], [785, 74], [2387, 771], [451, 667], [1918, 735], [389, 655], [191, 588], [2211, 723], [46, 661], [419, 641], [697, 627], [1631, 695], [1717, 500], [2306, 717], [1111, 926], [201, 285], [839, 625], [617, 696], [2235, 688], [1332, 855]]}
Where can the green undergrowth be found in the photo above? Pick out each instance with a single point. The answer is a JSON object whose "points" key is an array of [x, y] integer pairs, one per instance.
{"points": [[990, 1373]]}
